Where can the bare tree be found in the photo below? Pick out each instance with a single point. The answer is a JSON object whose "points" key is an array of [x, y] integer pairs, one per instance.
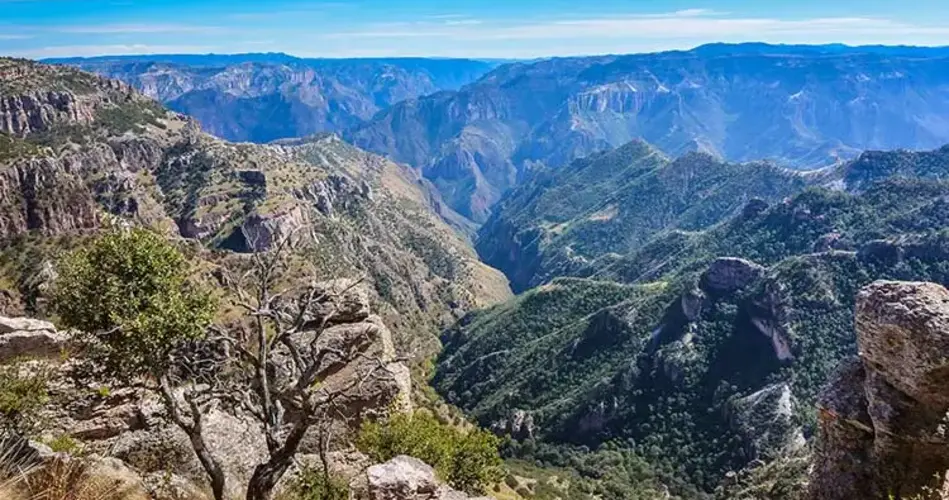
{"points": [[286, 359], [272, 369]]}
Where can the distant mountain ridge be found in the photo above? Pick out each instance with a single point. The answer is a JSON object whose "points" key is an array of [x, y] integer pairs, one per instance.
{"points": [[476, 129], [263, 97], [590, 218], [800, 106]]}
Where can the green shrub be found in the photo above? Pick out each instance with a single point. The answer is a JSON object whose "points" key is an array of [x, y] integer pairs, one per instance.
{"points": [[468, 461], [64, 443], [128, 298], [511, 481], [22, 395], [312, 484]]}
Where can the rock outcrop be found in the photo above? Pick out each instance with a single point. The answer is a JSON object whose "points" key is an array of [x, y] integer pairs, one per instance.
{"points": [[883, 428], [127, 428], [729, 274], [765, 422], [408, 478], [24, 337]]}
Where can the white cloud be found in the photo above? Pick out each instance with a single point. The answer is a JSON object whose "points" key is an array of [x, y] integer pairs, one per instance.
{"points": [[694, 24], [464, 22], [693, 12]]}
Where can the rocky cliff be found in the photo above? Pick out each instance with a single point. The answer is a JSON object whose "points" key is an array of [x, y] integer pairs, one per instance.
{"points": [[77, 150], [882, 416]]}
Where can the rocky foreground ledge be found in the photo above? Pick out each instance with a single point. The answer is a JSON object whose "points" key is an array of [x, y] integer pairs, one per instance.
{"points": [[884, 426], [125, 437]]}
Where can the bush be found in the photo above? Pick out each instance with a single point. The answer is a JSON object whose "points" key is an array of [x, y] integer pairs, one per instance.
{"points": [[468, 461], [64, 443], [128, 297], [22, 395], [511, 481]]}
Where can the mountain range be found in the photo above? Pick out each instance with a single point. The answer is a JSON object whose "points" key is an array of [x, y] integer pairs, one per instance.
{"points": [[476, 129], [78, 150], [690, 313], [263, 97], [800, 107]]}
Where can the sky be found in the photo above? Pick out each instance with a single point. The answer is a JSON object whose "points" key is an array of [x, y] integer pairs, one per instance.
{"points": [[452, 28]]}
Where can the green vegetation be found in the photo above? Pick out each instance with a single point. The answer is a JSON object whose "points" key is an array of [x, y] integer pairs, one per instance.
{"points": [[12, 148], [23, 392], [130, 116], [551, 472], [467, 460], [128, 297], [64, 443], [312, 483], [613, 203], [653, 368]]}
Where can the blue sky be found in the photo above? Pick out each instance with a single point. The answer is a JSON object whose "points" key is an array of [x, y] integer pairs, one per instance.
{"points": [[461, 28]]}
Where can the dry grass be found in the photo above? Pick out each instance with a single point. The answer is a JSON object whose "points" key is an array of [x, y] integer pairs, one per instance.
{"points": [[67, 480]]}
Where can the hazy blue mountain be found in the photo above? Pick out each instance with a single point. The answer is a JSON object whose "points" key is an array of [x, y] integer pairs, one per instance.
{"points": [[799, 106], [263, 97]]}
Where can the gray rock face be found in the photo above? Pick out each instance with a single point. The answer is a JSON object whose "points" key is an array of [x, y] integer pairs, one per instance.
{"points": [[263, 232], [23, 114], [883, 417], [402, 478], [730, 274], [765, 422]]}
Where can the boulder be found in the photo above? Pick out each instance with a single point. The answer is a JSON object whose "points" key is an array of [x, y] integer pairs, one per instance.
{"points": [[386, 383], [238, 444], [11, 325], [29, 338], [882, 427], [402, 478], [408, 478], [345, 299], [730, 274]]}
